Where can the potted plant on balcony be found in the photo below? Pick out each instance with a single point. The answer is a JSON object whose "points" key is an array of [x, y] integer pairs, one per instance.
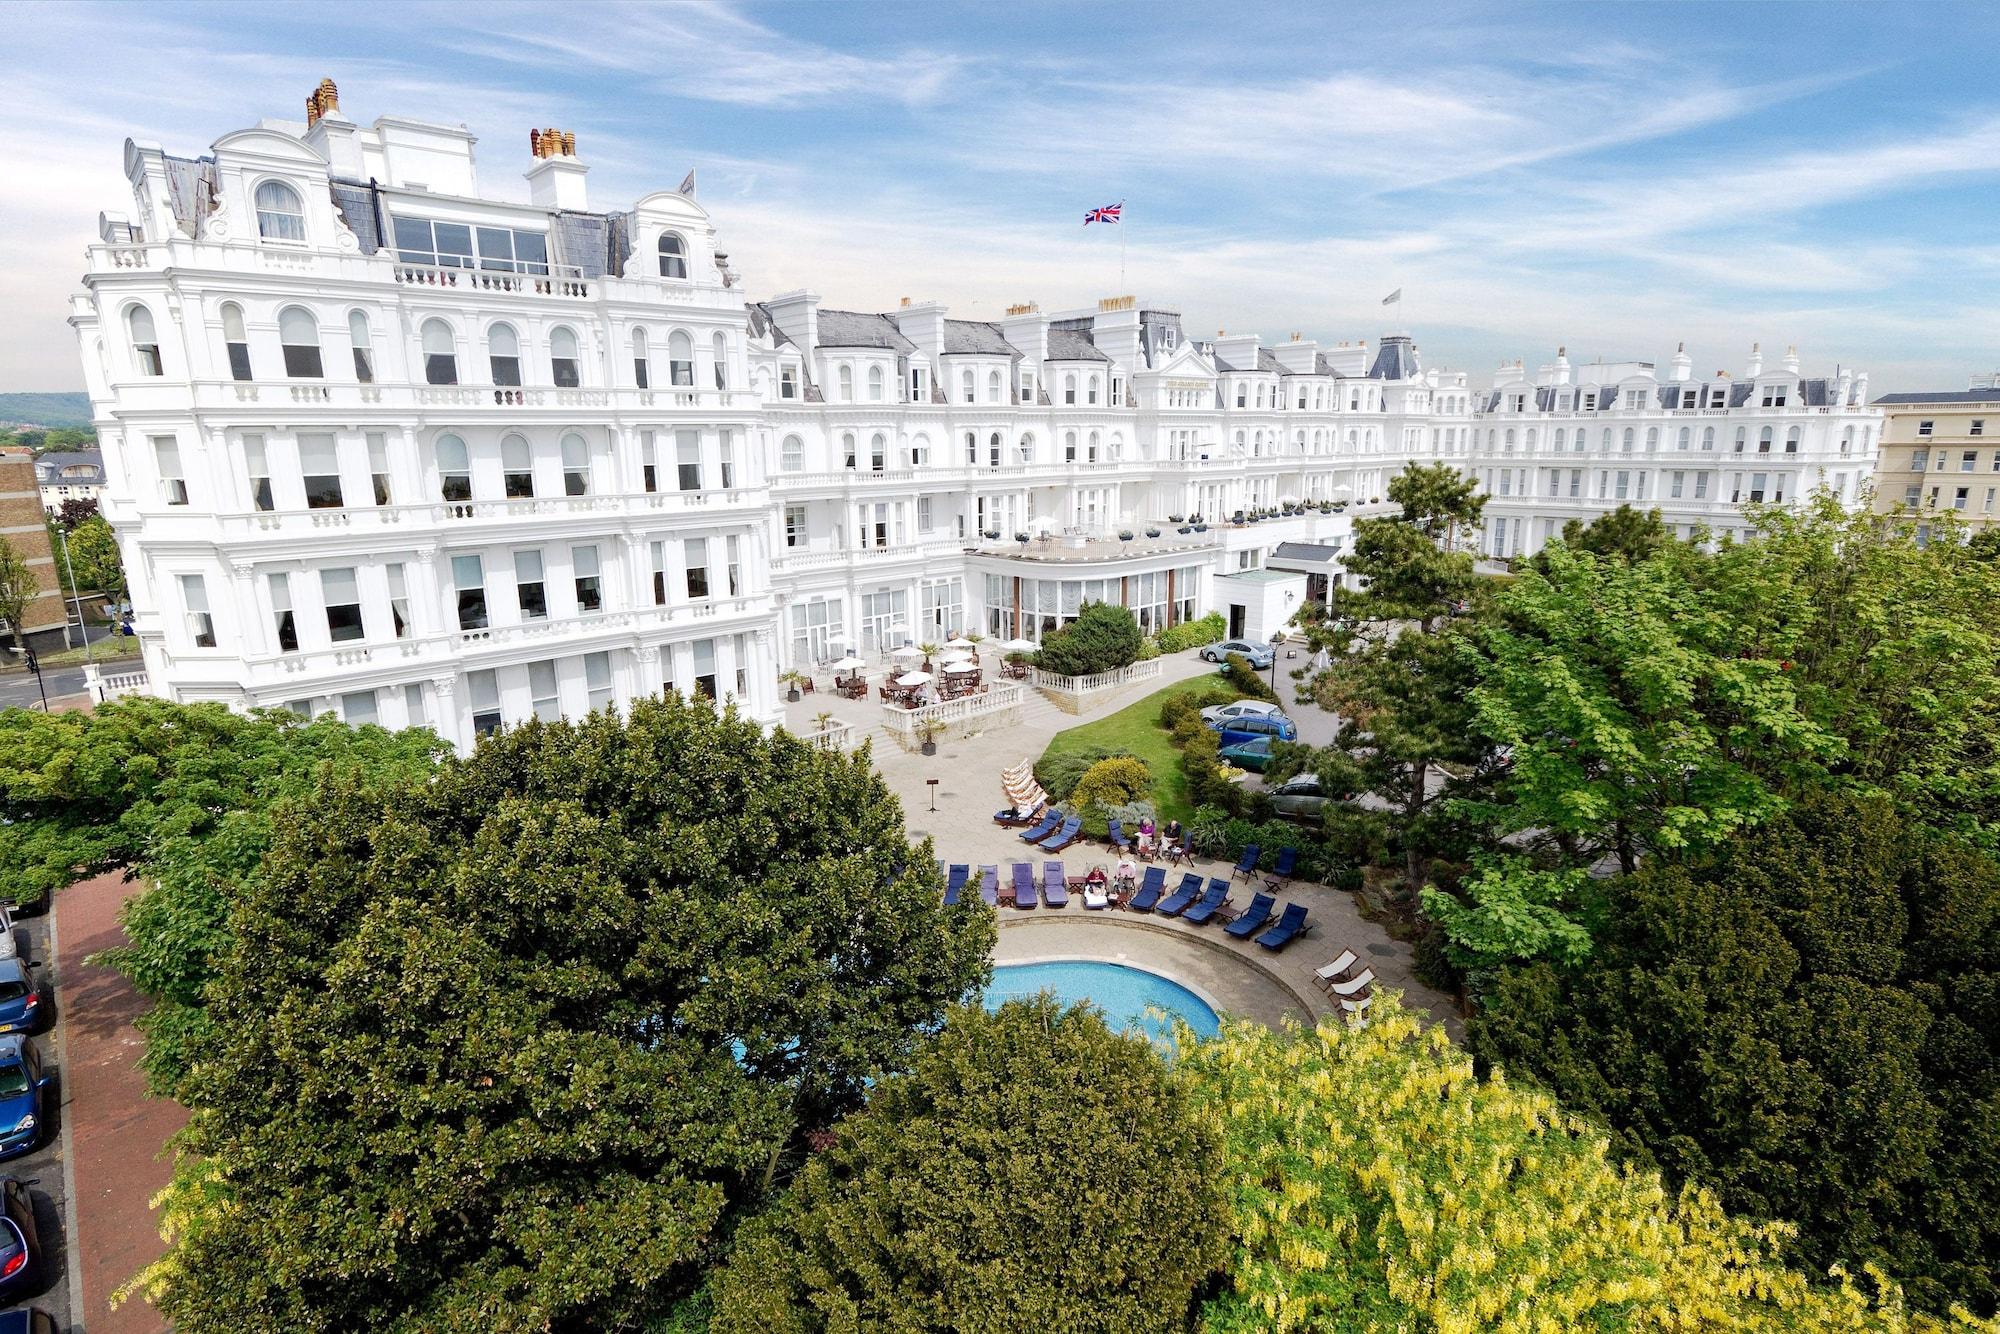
{"points": [[794, 680], [991, 534], [1177, 518], [1238, 517], [1022, 538], [1194, 522], [928, 732], [1125, 535], [1152, 532], [1339, 507]]}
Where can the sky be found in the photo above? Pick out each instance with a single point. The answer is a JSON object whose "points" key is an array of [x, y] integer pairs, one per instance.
{"points": [[1618, 178]]}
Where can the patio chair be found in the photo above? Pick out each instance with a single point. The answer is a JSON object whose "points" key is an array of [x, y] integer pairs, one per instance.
{"points": [[1071, 831], [954, 885], [989, 885], [1247, 863], [1281, 870], [1116, 838], [1353, 987], [1337, 969], [1051, 821], [1025, 769], [1253, 918], [1357, 1009], [1024, 885], [1214, 901], [1019, 814], [1150, 888], [1178, 901], [1055, 888], [1178, 854], [1291, 925]]}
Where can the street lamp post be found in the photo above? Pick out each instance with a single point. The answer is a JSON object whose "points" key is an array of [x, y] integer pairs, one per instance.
{"points": [[76, 597]]}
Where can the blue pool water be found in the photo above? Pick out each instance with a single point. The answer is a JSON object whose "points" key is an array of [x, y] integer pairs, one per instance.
{"points": [[1127, 996]]}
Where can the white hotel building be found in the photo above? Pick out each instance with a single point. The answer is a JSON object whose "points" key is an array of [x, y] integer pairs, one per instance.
{"points": [[377, 443]]}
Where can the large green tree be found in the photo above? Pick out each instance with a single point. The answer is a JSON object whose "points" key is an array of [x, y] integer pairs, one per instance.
{"points": [[1806, 1018], [18, 587], [1377, 1183], [94, 559], [1032, 1172], [508, 1046], [1103, 637]]}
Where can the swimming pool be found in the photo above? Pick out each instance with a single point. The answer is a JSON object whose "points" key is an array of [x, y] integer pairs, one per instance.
{"points": [[1123, 993]]}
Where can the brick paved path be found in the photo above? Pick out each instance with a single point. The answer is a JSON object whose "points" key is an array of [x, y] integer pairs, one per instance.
{"points": [[116, 1131]]}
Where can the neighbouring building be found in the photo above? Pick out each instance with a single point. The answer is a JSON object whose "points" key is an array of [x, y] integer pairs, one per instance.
{"points": [[22, 524], [64, 474], [379, 442], [1941, 451]]}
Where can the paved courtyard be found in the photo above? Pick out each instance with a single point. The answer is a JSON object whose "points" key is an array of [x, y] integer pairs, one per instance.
{"points": [[967, 792]]}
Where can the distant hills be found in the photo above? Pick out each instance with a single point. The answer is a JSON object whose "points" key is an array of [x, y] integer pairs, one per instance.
{"points": [[46, 409]]}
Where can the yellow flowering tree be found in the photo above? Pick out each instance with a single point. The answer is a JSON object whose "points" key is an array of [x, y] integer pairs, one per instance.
{"points": [[1378, 1183]]}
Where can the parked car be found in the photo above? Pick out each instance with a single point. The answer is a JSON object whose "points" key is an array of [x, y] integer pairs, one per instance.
{"points": [[20, 1242], [27, 1320], [1242, 708], [1258, 654], [24, 1001], [22, 1079], [1253, 754], [1271, 724], [1300, 798]]}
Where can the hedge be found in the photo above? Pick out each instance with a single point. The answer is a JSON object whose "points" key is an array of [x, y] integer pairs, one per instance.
{"points": [[1193, 634]]}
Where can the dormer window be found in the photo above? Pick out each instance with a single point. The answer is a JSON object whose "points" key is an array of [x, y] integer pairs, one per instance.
{"points": [[280, 214], [673, 256], [1774, 396], [1589, 402], [788, 382]]}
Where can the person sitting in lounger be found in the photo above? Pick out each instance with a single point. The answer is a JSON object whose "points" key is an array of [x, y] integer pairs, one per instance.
{"points": [[1128, 874]]}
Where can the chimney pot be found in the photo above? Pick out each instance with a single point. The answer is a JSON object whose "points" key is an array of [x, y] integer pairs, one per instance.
{"points": [[321, 100], [906, 301]]}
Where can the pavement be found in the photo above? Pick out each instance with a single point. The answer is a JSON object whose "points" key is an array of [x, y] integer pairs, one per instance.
{"points": [[116, 1133]]}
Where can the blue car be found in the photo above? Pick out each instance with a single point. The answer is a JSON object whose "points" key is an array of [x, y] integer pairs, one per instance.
{"points": [[24, 1001], [22, 1079], [20, 1241], [1237, 730], [27, 1320]]}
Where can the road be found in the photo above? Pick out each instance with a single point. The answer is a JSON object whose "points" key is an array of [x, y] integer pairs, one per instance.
{"points": [[44, 1169], [18, 689]]}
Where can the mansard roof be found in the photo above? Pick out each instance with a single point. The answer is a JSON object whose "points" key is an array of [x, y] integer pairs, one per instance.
{"points": [[1067, 345], [763, 326], [976, 337], [1395, 359], [853, 328], [1944, 396]]}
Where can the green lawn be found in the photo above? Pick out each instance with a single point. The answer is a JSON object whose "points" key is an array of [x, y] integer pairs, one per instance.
{"points": [[1135, 730]]}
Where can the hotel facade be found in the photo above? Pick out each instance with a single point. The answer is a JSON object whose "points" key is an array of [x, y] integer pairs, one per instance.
{"points": [[378, 443]]}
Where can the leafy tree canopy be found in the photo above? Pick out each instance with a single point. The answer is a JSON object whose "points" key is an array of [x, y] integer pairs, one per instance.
{"points": [[1623, 534], [507, 1047], [1807, 1019], [1102, 638], [1378, 1184], [1032, 1172]]}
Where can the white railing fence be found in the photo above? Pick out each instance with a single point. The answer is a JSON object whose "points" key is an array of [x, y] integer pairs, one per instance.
{"points": [[1073, 694], [954, 717], [104, 685]]}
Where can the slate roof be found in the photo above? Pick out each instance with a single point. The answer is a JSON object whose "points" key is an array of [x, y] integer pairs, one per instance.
{"points": [[763, 326], [853, 328], [1067, 346], [1739, 394], [1306, 551], [1395, 359], [356, 207], [49, 466], [976, 336], [1943, 396]]}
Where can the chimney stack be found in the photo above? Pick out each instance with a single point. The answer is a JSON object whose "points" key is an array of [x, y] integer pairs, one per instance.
{"points": [[1756, 367], [320, 101], [1792, 359], [556, 179], [1683, 363]]}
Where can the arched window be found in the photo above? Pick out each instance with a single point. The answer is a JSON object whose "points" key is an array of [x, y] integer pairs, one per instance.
{"points": [[1792, 441], [1625, 442], [1025, 450], [847, 447], [673, 256], [1562, 437], [298, 334], [454, 469], [875, 384], [920, 450], [1708, 437], [563, 367], [503, 351], [1685, 437], [965, 386], [1742, 436], [1510, 440], [719, 350], [440, 354], [576, 465], [1069, 446], [1093, 388], [1764, 441], [1090, 453], [993, 386], [680, 359], [846, 376], [993, 450], [642, 366], [236, 341], [792, 454], [1069, 389], [517, 468], [364, 346], [280, 215], [1847, 440], [145, 342], [1118, 446]]}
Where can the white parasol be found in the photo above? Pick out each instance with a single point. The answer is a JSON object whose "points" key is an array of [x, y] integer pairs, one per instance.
{"points": [[1020, 646], [848, 663], [908, 651], [913, 679], [958, 641], [956, 668]]}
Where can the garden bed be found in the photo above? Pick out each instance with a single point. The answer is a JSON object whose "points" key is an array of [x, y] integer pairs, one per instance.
{"points": [[1135, 730]]}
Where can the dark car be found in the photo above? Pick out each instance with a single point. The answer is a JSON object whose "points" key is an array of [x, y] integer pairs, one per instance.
{"points": [[1253, 754], [22, 1079], [1300, 798], [20, 1243], [24, 1001], [30, 1320], [1275, 725]]}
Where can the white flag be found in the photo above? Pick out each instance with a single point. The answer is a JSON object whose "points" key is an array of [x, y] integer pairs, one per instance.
{"points": [[1393, 297], [687, 186]]}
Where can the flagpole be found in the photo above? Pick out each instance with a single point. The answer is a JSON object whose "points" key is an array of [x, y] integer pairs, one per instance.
{"points": [[1121, 247]]}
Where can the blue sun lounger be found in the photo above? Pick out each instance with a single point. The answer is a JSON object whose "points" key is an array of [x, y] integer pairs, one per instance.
{"points": [[1189, 891], [1247, 865], [1116, 838], [1282, 869], [1291, 925], [1062, 838], [1253, 918], [1150, 888], [989, 884], [1211, 902], [1050, 823], [1055, 887], [1024, 885], [955, 884]]}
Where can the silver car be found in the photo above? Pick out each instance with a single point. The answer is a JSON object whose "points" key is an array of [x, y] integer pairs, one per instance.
{"points": [[1260, 655], [1242, 708], [1299, 798]]}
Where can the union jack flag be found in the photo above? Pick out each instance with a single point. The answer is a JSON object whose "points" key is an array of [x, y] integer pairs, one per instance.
{"points": [[1109, 213]]}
